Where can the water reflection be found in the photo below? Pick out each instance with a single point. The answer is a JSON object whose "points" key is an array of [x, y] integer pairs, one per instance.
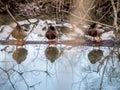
{"points": [[20, 55], [52, 53], [95, 55], [73, 70], [119, 57]]}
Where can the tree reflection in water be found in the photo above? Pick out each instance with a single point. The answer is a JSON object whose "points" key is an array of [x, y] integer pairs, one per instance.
{"points": [[71, 71]]}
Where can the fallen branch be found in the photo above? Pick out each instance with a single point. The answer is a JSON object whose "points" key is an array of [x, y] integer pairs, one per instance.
{"points": [[73, 43], [11, 15]]}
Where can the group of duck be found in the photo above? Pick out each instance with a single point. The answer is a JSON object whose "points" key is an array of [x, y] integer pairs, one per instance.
{"points": [[20, 34], [51, 34], [94, 31]]}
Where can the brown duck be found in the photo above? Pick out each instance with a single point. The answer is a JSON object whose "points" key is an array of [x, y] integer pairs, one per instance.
{"points": [[19, 34], [51, 33], [94, 32]]}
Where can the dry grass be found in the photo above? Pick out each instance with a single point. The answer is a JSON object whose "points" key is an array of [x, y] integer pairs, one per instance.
{"points": [[78, 11]]}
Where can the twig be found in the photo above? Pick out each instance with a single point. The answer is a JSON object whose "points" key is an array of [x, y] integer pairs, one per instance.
{"points": [[115, 14], [89, 20], [13, 19], [72, 14], [9, 36], [22, 78], [101, 83], [90, 8], [8, 77], [30, 31], [11, 15], [105, 13]]}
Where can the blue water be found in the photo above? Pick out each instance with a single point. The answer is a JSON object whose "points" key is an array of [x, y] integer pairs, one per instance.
{"points": [[72, 70]]}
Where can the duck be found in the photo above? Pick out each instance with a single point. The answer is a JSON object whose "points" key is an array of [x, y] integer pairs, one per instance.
{"points": [[95, 31], [51, 33], [19, 34]]}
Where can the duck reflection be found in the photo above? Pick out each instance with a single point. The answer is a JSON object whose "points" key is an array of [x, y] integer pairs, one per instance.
{"points": [[20, 55], [118, 57], [95, 55], [117, 53], [52, 53]]}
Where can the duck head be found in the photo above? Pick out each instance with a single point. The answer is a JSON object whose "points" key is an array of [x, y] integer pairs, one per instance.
{"points": [[52, 28], [92, 30]]}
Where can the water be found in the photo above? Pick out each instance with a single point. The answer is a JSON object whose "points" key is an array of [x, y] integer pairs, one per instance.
{"points": [[58, 67], [72, 70]]}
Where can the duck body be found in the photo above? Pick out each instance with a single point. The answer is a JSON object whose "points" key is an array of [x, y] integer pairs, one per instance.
{"points": [[51, 33], [92, 32], [95, 31], [18, 33]]}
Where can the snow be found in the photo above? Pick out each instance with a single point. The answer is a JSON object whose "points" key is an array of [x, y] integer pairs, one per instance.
{"points": [[108, 35]]}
